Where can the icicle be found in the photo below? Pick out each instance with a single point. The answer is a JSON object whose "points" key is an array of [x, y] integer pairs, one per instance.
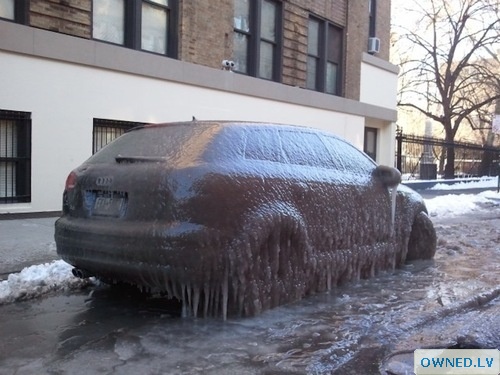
{"points": [[394, 194], [196, 300], [184, 302], [215, 305], [206, 291], [188, 290], [225, 296], [170, 293], [328, 277]]}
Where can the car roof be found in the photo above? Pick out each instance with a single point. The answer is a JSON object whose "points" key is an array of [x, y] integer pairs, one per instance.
{"points": [[243, 124]]}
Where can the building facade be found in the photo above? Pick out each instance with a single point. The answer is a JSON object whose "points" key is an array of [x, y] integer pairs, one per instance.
{"points": [[75, 74]]}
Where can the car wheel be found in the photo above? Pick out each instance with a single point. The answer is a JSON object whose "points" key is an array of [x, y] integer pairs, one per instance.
{"points": [[278, 272], [423, 239]]}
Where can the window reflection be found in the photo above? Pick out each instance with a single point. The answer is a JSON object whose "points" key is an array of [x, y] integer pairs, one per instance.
{"points": [[331, 78], [241, 18], [256, 41], [240, 48], [109, 21], [324, 56], [266, 60], [161, 2], [7, 9], [154, 28], [268, 21], [312, 67]]}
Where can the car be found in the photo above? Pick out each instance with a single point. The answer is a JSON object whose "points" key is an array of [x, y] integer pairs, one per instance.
{"points": [[236, 217]]}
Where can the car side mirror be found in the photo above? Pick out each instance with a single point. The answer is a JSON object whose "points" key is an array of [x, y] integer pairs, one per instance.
{"points": [[389, 176]]}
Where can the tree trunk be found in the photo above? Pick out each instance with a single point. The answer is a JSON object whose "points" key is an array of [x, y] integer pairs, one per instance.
{"points": [[442, 156], [449, 169]]}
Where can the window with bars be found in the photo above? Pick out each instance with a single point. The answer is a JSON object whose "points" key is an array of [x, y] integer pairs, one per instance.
{"points": [[15, 157], [145, 25], [257, 38], [324, 56], [105, 131]]}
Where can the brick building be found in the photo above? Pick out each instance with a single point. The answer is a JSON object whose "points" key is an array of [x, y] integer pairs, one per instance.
{"points": [[74, 74]]}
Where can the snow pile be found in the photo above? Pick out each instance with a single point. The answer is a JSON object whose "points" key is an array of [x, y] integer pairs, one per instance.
{"points": [[454, 205], [482, 183], [37, 280]]}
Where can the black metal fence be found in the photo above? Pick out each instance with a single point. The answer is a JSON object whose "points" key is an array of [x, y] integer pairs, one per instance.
{"points": [[425, 158]]}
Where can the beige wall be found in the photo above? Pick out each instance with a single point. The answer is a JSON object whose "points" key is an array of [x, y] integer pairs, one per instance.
{"points": [[65, 82]]}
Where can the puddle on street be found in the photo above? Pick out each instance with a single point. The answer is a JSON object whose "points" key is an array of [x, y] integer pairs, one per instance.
{"points": [[352, 328]]}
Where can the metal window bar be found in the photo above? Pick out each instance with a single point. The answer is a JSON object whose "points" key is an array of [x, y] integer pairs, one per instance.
{"points": [[105, 131], [15, 157]]}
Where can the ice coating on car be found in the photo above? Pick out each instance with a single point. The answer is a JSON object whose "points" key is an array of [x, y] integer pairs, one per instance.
{"points": [[236, 218]]}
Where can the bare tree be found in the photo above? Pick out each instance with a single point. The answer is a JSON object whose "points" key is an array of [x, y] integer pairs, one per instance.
{"points": [[449, 63]]}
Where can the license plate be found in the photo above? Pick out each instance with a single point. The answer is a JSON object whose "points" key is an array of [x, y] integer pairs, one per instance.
{"points": [[109, 204]]}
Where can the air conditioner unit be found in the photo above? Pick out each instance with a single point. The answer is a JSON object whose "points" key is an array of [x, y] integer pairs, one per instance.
{"points": [[373, 45]]}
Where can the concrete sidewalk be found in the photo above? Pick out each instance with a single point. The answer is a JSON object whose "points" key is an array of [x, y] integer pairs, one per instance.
{"points": [[25, 242]]}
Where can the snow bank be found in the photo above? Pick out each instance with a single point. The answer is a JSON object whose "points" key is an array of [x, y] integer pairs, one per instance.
{"points": [[452, 205], [482, 183], [39, 279]]}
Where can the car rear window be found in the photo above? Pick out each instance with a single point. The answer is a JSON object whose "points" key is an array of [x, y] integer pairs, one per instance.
{"points": [[170, 142]]}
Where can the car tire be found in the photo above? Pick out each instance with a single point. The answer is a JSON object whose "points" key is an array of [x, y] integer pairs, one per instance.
{"points": [[277, 271], [423, 239]]}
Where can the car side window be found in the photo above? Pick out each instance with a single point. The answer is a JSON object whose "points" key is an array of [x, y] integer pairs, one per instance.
{"points": [[348, 158], [303, 148], [263, 144]]}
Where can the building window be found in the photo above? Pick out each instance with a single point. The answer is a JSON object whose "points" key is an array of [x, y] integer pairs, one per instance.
{"points": [[257, 38], [104, 131], [15, 157], [324, 56], [143, 25], [14, 10], [108, 20], [370, 146]]}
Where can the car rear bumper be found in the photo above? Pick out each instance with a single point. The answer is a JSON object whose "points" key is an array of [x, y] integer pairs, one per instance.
{"points": [[148, 254]]}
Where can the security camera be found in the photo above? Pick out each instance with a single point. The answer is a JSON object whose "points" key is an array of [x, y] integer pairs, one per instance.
{"points": [[228, 64]]}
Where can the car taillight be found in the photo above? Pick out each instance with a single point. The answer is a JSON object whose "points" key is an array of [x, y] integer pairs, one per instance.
{"points": [[70, 181]]}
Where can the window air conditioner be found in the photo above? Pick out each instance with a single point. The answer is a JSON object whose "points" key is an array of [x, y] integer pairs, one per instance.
{"points": [[373, 45]]}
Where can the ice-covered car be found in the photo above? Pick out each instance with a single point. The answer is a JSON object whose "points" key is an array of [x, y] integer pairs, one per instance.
{"points": [[237, 217]]}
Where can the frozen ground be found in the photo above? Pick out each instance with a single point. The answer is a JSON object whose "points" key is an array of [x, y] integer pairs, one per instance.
{"points": [[40, 279]]}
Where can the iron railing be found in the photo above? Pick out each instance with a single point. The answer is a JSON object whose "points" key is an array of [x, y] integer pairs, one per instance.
{"points": [[414, 154]]}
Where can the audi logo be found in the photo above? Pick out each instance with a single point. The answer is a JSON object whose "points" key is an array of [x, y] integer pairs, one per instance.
{"points": [[104, 181]]}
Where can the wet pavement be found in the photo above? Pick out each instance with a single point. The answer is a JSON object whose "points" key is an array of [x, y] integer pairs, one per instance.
{"points": [[25, 242], [366, 327]]}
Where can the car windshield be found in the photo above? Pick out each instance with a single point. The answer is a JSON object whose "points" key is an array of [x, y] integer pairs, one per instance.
{"points": [[158, 143]]}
